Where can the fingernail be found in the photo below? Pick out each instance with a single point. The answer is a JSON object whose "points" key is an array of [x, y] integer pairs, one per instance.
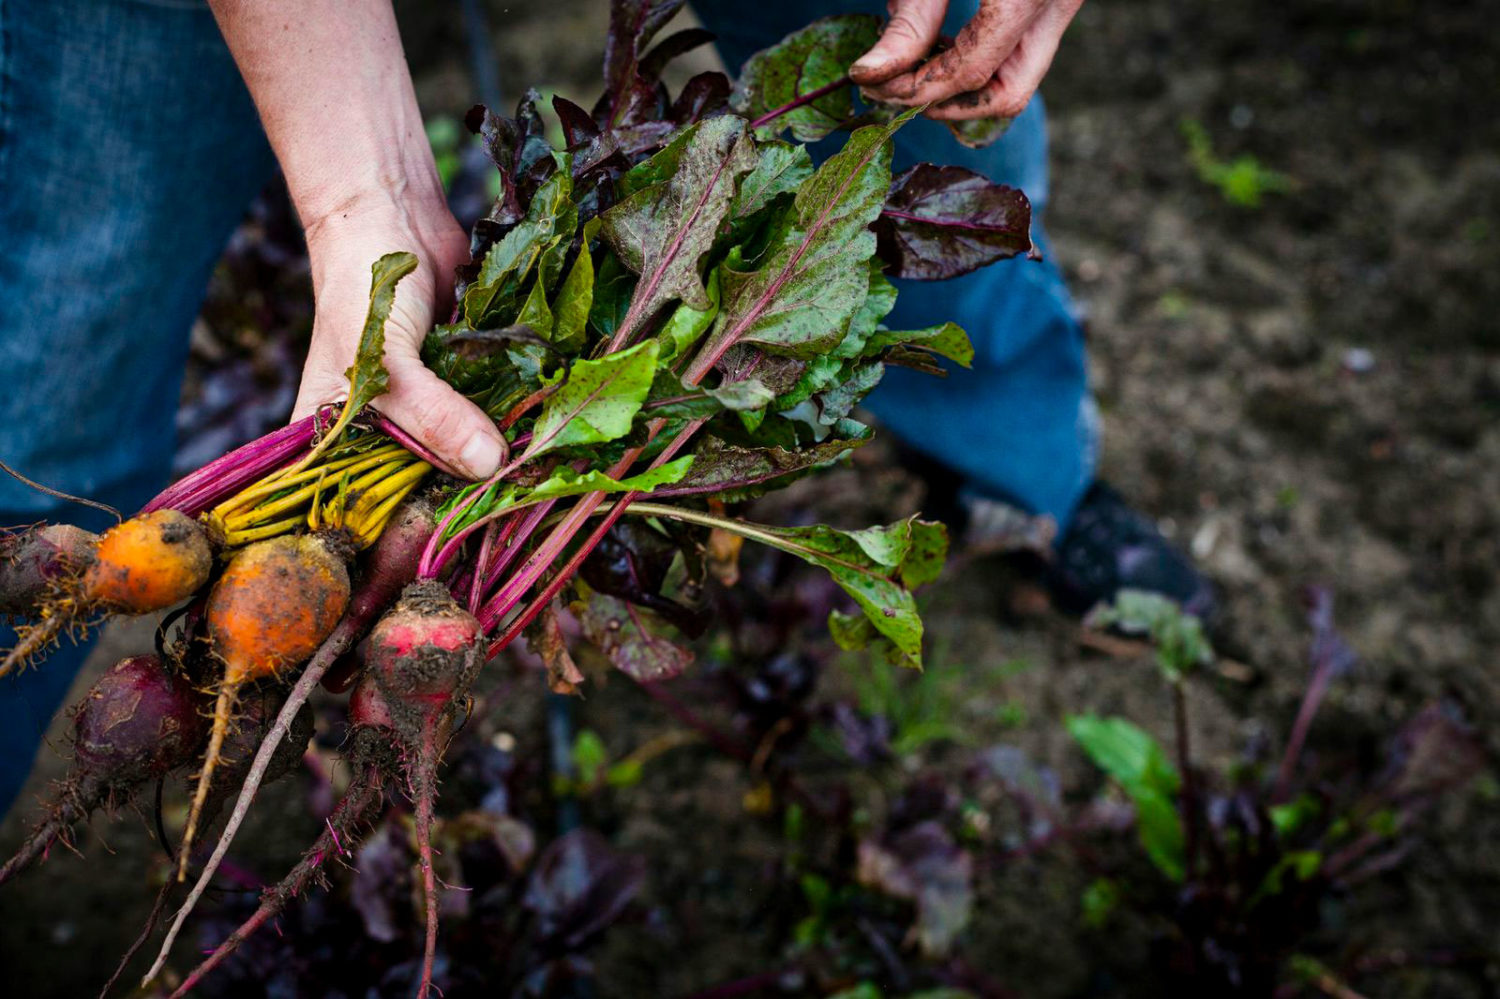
{"points": [[481, 456], [872, 59]]}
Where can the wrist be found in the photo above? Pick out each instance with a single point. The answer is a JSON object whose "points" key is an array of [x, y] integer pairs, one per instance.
{"points": [[397, 206], [381, 184]]}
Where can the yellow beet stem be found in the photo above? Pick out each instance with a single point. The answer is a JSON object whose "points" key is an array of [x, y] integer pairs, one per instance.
{"points": [[372, 511], [317, 482], [277, 481], [291, 501], [240, 538], [357, 488], [325, 495]]}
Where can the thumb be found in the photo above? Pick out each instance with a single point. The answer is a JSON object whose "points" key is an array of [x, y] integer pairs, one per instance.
{"points": [[441, 419], [910, 35]]}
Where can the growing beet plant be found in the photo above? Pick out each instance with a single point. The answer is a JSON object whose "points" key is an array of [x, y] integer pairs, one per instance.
{"points": [[677, 311]]}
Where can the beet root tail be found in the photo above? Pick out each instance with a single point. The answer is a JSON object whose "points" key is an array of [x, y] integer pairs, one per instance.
{"points": [[354, 809], [222, 712], [68, 811], [425, 789]]}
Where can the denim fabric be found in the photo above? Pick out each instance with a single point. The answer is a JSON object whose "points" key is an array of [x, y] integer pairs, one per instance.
{"points": [[129, 149], [1021, 426]]}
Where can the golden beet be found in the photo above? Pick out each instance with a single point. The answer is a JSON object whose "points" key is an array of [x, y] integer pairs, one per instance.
{"points": [[275, 603], [148, 563], [272, 607]]}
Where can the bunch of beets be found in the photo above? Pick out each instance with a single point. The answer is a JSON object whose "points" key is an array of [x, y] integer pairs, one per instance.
{"points": [[676, 312]]}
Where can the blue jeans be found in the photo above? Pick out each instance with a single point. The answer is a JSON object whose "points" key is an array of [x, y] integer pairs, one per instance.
{"points": [[129, 149]]}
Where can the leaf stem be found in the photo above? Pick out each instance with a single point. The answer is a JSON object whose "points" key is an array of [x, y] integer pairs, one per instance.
{"points": [[799, 102], [541, 559], [1317, 689], [218, 480]]}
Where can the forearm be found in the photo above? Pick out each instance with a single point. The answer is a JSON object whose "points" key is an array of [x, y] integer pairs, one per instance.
{"points": [[330, 80]]}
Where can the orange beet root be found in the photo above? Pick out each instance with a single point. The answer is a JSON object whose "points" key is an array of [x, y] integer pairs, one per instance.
{"points": [[148, 563], [272, 607], [275, 603]]}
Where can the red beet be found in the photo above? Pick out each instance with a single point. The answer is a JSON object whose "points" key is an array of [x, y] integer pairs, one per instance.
{"points": [[422, 659], [139, 722], [34, 560]]}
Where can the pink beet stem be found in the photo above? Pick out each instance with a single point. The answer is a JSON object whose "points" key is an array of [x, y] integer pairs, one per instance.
{"points": [[222, 478]]}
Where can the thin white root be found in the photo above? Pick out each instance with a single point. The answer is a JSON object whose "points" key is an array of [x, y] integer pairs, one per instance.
{"points": [[298, 697]]}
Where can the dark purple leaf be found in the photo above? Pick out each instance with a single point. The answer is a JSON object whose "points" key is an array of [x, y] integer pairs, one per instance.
{"points": [[867, 739], [578, 127], [631, 562], [779, 687], [940, 222], [1435, 752], [381, 868], [703, 95], [628, 636], [635, 139], [520, 151], [581, 885], [627, 97], [1328, 650]]}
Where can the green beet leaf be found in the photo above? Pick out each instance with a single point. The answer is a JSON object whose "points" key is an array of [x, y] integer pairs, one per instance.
{"points": [[812, 59], [614, 284], [597, 402], [570, 310], [550, 216], [367, 376], [564, 481], [878, 303], [877, 566], [744, 395], [945, 340], [662, 231], [800, 298], [368, 379], [1140, 766], [686, 325]]}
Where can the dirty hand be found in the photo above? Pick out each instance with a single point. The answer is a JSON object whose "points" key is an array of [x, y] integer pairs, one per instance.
{"points": [[993, 68]]}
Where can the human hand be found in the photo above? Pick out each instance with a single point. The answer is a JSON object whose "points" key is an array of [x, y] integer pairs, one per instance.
{"points": [[342, 244], [992, 70]]}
